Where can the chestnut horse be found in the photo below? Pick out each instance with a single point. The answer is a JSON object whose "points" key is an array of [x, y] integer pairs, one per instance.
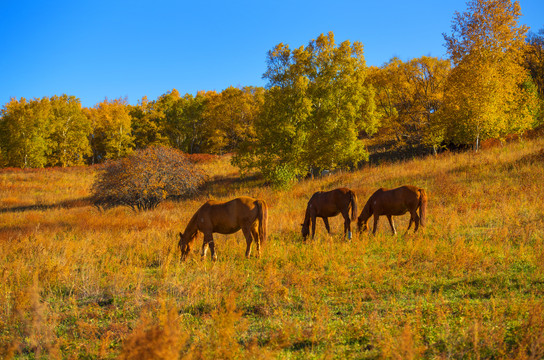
{"points": [[394, 202], [248, 214], [325, 204]]}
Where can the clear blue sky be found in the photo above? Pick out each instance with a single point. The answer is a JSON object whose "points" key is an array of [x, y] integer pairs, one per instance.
{"points": [[98, 49]]}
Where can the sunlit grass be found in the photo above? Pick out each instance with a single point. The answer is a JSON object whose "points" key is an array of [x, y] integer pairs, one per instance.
{"points": [[77, 282]]}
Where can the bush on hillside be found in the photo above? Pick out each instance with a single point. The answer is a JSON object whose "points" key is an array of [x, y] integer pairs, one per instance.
{"points": [[145, 178]]}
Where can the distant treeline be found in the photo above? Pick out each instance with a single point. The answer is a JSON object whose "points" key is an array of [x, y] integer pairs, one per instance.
{"points": [[58, 131], [320, 105]]}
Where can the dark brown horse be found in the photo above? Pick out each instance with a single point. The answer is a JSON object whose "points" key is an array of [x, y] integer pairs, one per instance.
{"points": [[325, 204], [245, 213], [393, 203]]}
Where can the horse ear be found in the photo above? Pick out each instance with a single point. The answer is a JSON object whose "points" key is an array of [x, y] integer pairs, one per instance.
{"points": [[180, 235]]}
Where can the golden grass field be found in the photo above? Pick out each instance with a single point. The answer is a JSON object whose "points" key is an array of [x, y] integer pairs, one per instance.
{"points": [[80, 283]]}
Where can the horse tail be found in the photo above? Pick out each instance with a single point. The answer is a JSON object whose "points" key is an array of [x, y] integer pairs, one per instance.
{"points": [[422, 206], [262, 215], [353, 201]]}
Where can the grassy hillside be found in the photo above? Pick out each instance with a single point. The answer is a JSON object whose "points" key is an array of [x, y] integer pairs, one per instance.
{"points": [[76, 282]]}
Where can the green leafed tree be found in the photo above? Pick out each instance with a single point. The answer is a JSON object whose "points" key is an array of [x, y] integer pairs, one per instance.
{"points": [[24, 132], [534, 62], [185, 122], [337, 92], [312, 112], [169, 110], [148, 126], [487, 94], [69, 131], [179, 119], [534, 59]]}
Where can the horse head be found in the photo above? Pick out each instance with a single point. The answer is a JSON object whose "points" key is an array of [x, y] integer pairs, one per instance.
{"points": [[185, 242], [305, 231], [362, 225]]}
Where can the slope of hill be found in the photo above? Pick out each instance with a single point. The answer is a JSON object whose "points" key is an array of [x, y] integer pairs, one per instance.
{"points": [[77, 282]]}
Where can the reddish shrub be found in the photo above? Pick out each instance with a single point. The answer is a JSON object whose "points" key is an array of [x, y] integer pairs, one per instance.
{"points": [[202, 158], [490, 143], [145, 178]]}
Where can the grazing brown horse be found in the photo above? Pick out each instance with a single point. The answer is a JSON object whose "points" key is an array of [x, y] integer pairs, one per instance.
{"points": [[394, 202], [325, 204], [248, 214]]}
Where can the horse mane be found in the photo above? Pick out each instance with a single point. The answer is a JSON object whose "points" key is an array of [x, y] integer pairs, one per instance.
{"points": [[306, 221], [367, 210], [192, 226], [307, 214]]}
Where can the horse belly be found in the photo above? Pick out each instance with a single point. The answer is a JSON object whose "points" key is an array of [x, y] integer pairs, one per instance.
{"points": [[394, 211], [225, 229], [327, 211]]}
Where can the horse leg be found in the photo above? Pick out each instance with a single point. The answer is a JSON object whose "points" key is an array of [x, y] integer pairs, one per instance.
{"points": [[247, 233], [255, 233], [409, 224], [347, 224], [313, 221], [390, 218], [376, 218], [416, 221], [212, 250], [208, 241], [326, 221], [415, 217]]}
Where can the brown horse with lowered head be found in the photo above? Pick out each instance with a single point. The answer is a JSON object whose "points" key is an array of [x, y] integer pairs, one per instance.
{"points": [[393, 203], [325, 204], [245, 213]]}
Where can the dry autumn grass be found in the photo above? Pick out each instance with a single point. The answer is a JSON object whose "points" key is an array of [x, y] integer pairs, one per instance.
{"points": [[79, 283]]}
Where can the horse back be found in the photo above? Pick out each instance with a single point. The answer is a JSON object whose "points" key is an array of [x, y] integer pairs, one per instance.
{"points": [[330, 203], [413, 194], [229, 217], [396, 201]]}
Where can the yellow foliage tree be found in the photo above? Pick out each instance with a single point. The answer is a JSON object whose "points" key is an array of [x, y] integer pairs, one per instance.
{"points": [[112, 134], [408, 95], [69, 129], [24, 132], [229, 118], [487, 94]]}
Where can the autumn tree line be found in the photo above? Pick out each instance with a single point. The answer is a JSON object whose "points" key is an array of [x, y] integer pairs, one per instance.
{"points": [[321, 102]]}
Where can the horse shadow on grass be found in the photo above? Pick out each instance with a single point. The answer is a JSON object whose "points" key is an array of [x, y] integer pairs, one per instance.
{"points": [[66, 204]]}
